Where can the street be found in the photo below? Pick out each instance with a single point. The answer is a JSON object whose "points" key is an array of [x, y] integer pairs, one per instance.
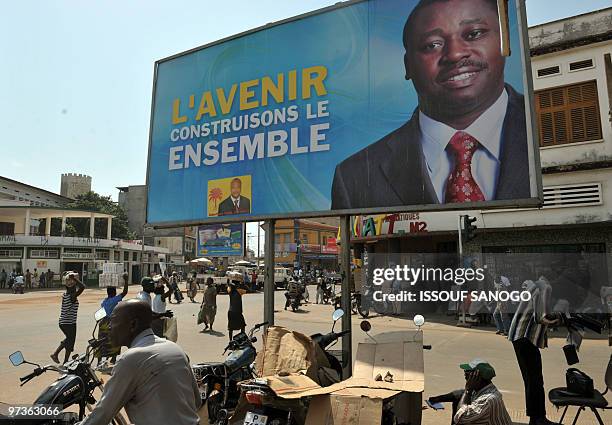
{"points": [[31, 326]]}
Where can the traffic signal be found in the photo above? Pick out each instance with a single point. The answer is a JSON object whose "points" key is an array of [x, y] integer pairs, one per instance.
{"points": [[469, 228]]}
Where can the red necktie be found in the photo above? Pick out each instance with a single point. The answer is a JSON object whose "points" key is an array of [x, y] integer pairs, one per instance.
{"points": [[461, 186]]}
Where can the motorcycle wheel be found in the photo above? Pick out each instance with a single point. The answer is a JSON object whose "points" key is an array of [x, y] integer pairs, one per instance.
{"points": [[213, 404], [294, 307]]}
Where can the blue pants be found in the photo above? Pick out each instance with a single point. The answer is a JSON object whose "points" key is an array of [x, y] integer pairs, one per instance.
{"points": [[502, 320]]}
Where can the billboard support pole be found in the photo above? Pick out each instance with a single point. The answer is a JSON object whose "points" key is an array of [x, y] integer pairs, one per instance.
{"points": [[269, 276], [345, 297]]}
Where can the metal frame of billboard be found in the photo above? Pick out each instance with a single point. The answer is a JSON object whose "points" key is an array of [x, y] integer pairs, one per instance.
{"points": [[535, 176]]}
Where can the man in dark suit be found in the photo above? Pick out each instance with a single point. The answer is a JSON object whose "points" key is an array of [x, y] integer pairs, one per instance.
{"points": [[235, 203], [467, 139]]}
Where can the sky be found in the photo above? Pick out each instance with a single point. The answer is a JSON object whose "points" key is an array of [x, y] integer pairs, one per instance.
{"points": [[76, 76]]}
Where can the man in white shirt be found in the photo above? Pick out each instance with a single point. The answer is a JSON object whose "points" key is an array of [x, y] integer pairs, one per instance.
{"points": [[152, 379], [467, 140]]}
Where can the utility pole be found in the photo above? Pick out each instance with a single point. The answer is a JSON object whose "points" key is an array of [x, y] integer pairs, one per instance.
{"points": [[258, 241]]}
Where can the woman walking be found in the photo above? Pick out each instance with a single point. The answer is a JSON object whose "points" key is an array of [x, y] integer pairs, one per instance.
{"points": [[235, 319], [68, 316], [208, 310]]}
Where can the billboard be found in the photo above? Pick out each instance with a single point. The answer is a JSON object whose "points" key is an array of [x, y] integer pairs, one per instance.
{"points": [[363, 107], [221, 240]]}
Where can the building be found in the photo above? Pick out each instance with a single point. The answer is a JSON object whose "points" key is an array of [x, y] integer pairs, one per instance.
{"points": [[27, 241], [14, 193], [180, 242], [306, 243], [73, 185], [572, 76]]}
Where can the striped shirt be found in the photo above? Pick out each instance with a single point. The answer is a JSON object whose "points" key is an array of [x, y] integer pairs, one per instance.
{"points": [[486, 408], [68, 316], [529, 314]]}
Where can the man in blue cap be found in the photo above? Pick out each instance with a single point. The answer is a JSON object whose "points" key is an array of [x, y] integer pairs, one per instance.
{"points": [[480, 403]]}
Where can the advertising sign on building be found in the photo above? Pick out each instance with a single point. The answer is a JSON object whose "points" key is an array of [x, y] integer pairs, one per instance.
{"points": [[360, 108], [221, 240]]}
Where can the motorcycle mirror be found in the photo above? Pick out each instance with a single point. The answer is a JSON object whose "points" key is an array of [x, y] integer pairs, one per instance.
{"points": [[337, 314], [418, 320], [17, 358], [100, 314], [365, 326]]}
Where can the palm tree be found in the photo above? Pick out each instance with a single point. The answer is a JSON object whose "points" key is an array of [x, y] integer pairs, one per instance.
{"points": [[215, 195]]}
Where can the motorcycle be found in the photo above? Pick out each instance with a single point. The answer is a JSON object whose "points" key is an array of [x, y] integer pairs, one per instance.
{"points": [[218, 381], [265, 408], [364, 303], [328, 294], [176, 291], [18, 288], [74, 386]]}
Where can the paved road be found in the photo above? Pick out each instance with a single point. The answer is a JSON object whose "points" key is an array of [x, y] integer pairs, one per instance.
{"points": [[29, 324]]}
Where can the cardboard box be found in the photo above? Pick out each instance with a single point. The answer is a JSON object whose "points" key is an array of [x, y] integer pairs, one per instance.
{"points": [[360, 400]]}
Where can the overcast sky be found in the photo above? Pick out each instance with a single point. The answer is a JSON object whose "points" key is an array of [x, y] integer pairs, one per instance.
{"points": [[76, 76]]}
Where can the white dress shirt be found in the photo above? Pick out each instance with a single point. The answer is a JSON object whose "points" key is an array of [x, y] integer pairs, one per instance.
{"points": [[486, 129], [154, 382]]}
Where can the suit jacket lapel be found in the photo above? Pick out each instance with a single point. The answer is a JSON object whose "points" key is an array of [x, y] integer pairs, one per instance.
{"points": [[404, 167], [513, 180]]}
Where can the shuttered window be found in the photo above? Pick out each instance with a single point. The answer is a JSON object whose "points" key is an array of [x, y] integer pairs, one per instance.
{"points": [[568, 114]]}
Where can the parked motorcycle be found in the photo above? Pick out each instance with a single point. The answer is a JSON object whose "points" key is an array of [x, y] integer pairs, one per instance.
{"points": [[265, 408], [218, 381], [365, 302], [74, 386]]}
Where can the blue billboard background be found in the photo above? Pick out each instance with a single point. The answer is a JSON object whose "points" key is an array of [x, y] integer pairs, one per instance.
{"points": [[221, 240], [367, 94]]}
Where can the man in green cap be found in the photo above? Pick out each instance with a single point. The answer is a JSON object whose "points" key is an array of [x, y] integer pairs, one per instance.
{"points": [[480, 403]]}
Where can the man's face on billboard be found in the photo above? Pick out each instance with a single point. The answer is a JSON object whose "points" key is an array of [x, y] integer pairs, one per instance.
{"points": [[453, 57], [235, 188]]}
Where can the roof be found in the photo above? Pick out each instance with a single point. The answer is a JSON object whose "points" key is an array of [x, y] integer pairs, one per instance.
{"points": [[43, 212], [571, 32], [36, 188]]}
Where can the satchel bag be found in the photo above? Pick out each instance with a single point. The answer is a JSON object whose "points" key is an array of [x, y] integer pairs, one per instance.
{"points": [[578, 382]]}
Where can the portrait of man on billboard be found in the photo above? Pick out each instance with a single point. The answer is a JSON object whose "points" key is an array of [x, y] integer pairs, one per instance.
{"points": [[466, 141], [235, 203]]}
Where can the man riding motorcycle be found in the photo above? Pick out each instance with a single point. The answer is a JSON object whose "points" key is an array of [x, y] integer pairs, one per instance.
{"points": [[294, 291], [152, 369]]}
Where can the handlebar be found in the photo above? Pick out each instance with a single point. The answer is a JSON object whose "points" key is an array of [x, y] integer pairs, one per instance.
{"points": [[38, 371]]}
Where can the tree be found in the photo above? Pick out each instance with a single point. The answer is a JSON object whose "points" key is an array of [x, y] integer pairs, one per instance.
{"points": [[92, 201]]}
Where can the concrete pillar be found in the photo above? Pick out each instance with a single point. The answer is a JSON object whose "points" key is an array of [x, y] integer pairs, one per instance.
{"points": [[92, 224], [28, 219], [48, 226], [109, 226], [63, 223]]}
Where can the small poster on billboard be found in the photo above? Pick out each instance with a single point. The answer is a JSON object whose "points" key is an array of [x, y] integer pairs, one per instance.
{"points": [[221, 240]]}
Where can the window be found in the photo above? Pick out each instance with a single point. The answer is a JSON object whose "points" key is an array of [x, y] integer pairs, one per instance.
{"points": [[568, 114], [547, 72], [580, 65], [7, 228]]}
